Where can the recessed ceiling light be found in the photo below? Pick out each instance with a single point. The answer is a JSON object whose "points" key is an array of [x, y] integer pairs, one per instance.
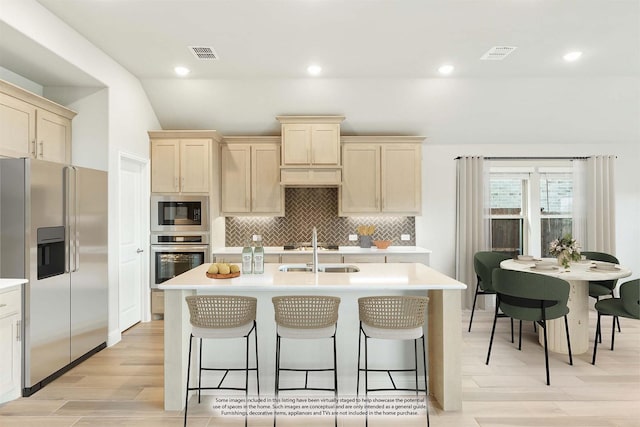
{"points": [[446, 69], [572, 56], [314, 70], [181, 71]]}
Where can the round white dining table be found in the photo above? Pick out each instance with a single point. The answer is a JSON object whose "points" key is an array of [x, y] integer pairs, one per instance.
{"points": [[578, 275]]}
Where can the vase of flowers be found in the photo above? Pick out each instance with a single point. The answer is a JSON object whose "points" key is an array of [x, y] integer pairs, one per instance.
{"points": [[565, 249]]}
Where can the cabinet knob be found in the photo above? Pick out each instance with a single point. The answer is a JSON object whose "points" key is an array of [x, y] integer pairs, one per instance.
{"points": [[139, 250]]}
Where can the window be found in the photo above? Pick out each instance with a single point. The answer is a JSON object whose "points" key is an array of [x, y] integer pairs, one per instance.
{"points": [[508, 213], [530, 206]]}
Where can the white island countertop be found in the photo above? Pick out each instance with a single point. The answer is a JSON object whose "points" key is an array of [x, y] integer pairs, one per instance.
{"points": [[406, 276], [8, 283]]}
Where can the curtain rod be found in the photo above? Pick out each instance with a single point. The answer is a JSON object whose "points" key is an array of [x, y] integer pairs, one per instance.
{"points": [[530, 158]]}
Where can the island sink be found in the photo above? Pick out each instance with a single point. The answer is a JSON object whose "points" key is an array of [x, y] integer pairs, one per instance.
{"points": [[327, 268]]}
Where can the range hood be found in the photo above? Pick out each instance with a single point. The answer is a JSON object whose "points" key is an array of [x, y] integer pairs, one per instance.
{"points": [[311, 178]]}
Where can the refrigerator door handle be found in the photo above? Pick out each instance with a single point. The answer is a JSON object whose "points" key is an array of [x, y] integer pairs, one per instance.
{"points": [[66, 217], [76, 239]]}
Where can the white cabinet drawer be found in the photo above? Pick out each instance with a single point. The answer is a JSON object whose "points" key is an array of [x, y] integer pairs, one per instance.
{"points": [[10, 302]]}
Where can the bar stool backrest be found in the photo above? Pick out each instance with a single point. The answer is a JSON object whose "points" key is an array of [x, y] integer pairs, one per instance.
{"points": [[393, 312], [221, 311], [306, 311]]}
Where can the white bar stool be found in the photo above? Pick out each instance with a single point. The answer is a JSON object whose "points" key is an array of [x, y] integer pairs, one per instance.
{"points": [[392, 318], [222, 317], [306, 317]]}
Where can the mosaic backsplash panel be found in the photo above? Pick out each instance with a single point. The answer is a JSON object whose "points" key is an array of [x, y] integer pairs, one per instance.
{"points": [[309, 207]]}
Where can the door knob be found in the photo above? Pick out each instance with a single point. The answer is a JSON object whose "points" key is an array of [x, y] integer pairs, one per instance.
{"points": [[140, 250]]}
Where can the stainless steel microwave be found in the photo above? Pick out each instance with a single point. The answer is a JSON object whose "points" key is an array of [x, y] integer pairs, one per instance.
{"points": [[179, 213]]}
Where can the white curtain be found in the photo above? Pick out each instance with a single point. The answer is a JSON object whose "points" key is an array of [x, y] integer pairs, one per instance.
{"points": [[600, 205], [473, 226], [579, 217]]}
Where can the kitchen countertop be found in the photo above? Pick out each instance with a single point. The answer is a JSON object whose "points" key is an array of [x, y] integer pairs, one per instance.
{"points": [[233, 250], [407, 276], [7, 283]]}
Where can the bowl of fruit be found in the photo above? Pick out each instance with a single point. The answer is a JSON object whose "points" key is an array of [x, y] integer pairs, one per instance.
{"points": [[222, 270]]}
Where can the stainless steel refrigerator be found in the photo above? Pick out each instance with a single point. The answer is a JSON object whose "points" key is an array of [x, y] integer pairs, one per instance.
{"points": [[53, 232]]}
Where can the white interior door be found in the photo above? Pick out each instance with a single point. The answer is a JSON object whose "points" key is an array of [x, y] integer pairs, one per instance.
{"points": [[131, 276]]}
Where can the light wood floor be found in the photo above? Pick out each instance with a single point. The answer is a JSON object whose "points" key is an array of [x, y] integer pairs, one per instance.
{"points": [[123, 386]]}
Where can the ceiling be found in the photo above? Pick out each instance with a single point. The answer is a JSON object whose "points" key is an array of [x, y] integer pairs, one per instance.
{"points": [[265, 46]]}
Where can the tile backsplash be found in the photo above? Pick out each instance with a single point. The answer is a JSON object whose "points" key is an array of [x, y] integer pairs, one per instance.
{"points": [[309, 207]]}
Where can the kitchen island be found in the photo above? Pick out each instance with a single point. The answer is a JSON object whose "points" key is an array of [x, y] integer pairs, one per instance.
{"points": [[443, 322]]}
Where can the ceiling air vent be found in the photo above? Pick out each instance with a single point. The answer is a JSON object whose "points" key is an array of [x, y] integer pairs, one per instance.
{"points": [[497, 53], [204, 53]]}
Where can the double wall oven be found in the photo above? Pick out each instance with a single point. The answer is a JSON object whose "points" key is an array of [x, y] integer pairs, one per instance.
{"points": [[179, 239]]}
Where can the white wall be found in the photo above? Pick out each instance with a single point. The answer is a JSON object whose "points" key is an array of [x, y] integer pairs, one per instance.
{"points": [[435, 229], [130, 115], [90, 128], [20, 81]]}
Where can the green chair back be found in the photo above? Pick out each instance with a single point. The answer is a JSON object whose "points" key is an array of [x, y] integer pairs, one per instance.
{"points": [[605, 257], [600, 256], [484, 263], [630, 296], [523, 295]]}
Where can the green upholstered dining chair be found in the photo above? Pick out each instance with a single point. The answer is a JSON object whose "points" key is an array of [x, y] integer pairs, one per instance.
{"points": [[602, 288], [484, 263], [529, 296], [628, 305]]}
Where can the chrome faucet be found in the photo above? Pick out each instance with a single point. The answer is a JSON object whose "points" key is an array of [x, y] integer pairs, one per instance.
{"points": [[314, 244]]}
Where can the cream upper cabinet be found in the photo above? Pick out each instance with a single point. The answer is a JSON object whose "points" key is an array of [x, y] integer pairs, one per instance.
{"points": [[181, 161], [10, 344], [53, 141], [310, 144], [310, 150], [360, 191], [17, 127], [382, 175], [401, 177], [250, 177], [32, 126], [235, 169], [266, 193]]}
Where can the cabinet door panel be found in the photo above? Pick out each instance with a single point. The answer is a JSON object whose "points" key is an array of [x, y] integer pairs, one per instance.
{"points": [[266, 191], [363, 258], [401, 179], [165, 166], [54, 137], [296, 144], [235, 163], [17, 127], [194, 165], [360, 191], [325, 144], [420, 258]]}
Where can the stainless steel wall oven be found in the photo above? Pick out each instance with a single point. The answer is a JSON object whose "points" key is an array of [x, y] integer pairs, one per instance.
{"points": [[174, 253]]}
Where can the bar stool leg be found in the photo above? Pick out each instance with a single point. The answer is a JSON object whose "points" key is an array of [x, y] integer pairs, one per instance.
{"points": [[200, 371], [358, 373], [255, 336], [415, 357]]}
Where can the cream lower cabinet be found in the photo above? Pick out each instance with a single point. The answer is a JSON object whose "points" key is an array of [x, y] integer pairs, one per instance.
{"points": [[33, 127], [381, 175], [250, 177], [180, 165], [10, 344]]}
